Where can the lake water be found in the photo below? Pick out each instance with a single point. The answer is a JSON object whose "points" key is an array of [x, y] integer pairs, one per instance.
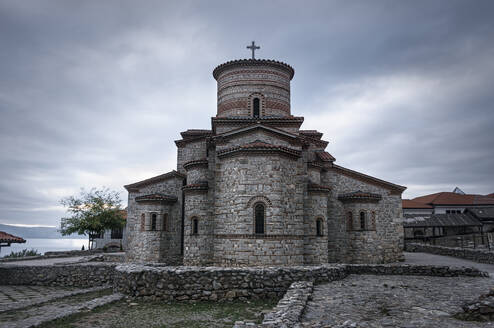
{"points": [[46, 245]]}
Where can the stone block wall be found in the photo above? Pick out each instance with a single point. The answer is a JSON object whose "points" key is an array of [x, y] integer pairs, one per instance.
{"points": [[316, 247], [383, 245], [242, 181], [198, 247], [191, 151], [476, 255], [163, 244], [88, 275]]}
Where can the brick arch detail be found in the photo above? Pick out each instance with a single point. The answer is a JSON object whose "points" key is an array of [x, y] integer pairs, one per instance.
{"points": [[262, 103], [259, 198]]}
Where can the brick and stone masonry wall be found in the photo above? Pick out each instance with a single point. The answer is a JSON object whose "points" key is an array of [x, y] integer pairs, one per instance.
{"points": [[163, 244], [236, 85], [384, 245], [198, 247], [241, 182], [476, 255]]}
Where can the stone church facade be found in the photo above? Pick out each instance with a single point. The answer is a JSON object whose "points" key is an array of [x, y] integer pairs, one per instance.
{"points": [[258, 190]]}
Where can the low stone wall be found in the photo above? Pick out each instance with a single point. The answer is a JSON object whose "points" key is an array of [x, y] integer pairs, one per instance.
{"points": [[475, 255], [217, 283], [87, 275], [289, 310], [414, 270]]}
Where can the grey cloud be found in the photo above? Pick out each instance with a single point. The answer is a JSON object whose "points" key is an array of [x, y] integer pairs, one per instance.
{"points": [[94, 93]]}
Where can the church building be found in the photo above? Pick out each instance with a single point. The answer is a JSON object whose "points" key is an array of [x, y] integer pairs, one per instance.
{"points": [[256, 189]]}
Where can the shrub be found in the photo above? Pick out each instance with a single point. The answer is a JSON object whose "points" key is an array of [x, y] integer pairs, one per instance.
{"points": [[25, 252]]}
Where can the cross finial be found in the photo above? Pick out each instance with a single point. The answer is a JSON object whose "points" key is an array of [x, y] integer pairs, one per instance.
{"points": [[253, 47]]}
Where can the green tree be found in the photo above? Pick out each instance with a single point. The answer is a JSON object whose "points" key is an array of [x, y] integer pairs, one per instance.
{"points": [[92, 212]]}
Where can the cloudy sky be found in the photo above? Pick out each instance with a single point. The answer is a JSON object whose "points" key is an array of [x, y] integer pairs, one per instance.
{"points": [[93, 93]]}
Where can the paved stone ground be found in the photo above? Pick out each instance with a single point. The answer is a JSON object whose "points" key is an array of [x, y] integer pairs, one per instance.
{"points": [[426, 258], [18, 297], [394, 301]]}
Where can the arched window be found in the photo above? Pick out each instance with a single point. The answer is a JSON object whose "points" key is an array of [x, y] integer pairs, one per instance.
{"points": [[256, 105], [143, 222], [349, 221], [259, 218], [195, 226], [164, 225], [362, 220], [153, 221], [319, 228]]}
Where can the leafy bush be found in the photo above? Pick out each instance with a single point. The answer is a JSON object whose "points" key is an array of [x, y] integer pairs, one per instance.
{"points": [[25, 252]]}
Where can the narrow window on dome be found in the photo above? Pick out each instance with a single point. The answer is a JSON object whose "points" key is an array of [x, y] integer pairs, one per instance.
{"points": [[362, 220], [153, 221], [256, 104], [319, 231], [259, 219], [195, 226]]}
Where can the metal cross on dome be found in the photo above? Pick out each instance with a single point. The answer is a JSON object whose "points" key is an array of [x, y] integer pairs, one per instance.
{"points": [[253, 47]]}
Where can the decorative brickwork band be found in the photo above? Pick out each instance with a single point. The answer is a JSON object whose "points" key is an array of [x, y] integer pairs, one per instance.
{"points": [[254, 236], [161, 198], [360, 197]]}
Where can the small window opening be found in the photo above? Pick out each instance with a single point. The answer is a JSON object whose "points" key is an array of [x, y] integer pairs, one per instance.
{"points": [[373, 221], [319, 231], [153, 221], [349, 222], [362, 220], [195, 226], [256, 104], [259, 218], [143, 221], [165, 222]]}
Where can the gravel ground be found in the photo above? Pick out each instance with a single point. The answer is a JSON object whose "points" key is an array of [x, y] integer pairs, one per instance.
{"points": [[394, 301]]}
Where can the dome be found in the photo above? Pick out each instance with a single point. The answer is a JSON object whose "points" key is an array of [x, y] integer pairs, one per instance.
{"points": [[253, 88]]}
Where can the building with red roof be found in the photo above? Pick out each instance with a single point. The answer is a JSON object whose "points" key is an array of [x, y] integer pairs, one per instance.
{"points": [[6, 239]]}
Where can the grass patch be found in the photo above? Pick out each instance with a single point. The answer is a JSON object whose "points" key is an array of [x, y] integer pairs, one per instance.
{"points": [[173, 315]]}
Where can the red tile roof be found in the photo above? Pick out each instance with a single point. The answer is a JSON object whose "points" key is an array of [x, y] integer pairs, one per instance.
{"points": [[195, 133], [260, 145], [408, 203], [451, 198], [325, 156], [158, 178], [157, 197], [359, 195], [8, 238]]}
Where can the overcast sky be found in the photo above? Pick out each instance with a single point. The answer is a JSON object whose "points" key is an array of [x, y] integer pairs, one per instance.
{"points": [[93, 93]]}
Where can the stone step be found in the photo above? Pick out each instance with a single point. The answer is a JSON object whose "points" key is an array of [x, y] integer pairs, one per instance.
{"points": [[36, 316]]}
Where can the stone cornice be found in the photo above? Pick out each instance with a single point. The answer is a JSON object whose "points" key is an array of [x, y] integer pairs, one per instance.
{"points": [[359, 197], [197, 163], [260, 147], [316, 188], [158, 198], [253, 62], [201, 187], [170, 175]]}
